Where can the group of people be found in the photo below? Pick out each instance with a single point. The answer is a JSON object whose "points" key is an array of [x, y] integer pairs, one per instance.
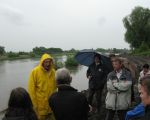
{"points": [[119, 82], [50, 95]]}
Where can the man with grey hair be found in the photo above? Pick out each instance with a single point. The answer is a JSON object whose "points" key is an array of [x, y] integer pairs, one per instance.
{"points": [[67, 103]]}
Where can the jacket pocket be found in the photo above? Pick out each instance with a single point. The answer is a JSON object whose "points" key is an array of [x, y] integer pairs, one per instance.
{"points": [[110, 100], [123, 101]]}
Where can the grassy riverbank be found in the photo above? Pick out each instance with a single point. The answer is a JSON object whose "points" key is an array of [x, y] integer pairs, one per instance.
{"points": [[5, 57], [141, 53], [69, 62], [15, 58], [27, 56]]}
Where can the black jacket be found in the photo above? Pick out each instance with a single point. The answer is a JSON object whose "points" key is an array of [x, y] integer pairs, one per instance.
{"points": [[20, 114], [68, 104], [147, 113], [98, 75], [14, 118]]}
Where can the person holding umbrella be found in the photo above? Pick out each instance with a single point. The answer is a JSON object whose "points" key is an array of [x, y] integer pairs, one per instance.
{"points": [[96, 74]]}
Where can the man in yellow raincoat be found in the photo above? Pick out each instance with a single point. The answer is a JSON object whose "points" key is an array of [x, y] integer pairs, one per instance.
{"points": [[41, 85]]}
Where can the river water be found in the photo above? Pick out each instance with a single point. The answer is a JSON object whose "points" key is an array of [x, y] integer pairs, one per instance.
{"points": [[16, 73]]}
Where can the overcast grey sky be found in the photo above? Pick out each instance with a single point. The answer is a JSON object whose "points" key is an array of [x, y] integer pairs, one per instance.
{"points": [[66, 24]]}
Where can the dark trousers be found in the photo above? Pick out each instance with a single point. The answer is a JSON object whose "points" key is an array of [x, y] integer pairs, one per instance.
{"points": [[98, 94], [121, 114]]}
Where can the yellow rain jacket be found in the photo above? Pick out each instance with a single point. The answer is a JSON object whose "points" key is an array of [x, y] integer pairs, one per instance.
{"points": [[41, 85]]}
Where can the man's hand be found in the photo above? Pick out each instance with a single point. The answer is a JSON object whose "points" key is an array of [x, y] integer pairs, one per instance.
{"points": [[114, 81]]}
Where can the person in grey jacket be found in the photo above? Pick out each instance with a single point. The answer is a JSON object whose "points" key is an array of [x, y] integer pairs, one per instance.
{"points": [[118, 97]]}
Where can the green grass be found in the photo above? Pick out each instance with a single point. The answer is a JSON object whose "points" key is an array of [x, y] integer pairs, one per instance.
{"points": [[16, 56], [145, 53]]}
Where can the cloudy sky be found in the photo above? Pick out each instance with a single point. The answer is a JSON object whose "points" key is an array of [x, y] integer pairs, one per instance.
{"points": [[66, 24]]}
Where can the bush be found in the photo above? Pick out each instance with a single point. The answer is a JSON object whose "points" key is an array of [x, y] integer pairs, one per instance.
{"points": [[2, 50], [12, 54], [23, 53], [71, 61], [59, 65], [144, 53], [144, 47], [31, 54]]}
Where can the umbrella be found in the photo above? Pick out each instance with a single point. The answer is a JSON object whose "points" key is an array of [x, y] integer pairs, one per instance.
{"points": [[86, 57]]}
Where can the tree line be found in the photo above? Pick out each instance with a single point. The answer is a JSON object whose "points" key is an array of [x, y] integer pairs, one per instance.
{"points": [[35, 51], [41, 50]]}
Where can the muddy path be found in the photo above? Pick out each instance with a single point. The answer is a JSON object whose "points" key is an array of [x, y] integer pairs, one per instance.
{"points": [[137, 60]]}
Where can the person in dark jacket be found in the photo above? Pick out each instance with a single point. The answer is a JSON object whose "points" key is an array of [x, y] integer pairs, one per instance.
{"points": [[145, 95], [20, 106], [67, 103], [97, 75]]}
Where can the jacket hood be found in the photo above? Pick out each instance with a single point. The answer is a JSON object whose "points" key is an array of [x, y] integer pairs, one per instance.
{"points": [[44, 57]]}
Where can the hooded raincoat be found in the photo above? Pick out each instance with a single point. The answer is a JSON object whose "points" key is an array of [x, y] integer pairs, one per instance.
{"points": [[41, 85]]}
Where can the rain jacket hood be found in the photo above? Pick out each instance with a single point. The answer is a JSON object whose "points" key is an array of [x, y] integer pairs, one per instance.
{"points": [[44, 57], [41, 85]]}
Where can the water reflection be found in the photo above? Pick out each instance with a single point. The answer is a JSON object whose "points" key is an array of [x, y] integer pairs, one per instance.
{"points": [[61, 58], [2, 67], [79, 80], [73, 70]]}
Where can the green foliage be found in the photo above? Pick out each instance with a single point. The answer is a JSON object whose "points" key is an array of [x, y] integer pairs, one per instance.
{"points": [[12, 54], [113, 50], [59, 64], [71, 51], [143, 47], [143, 50], [42, 50], [31, 54], [144, 53], [71, 61], [2, 50], [39, 50], [23, 53], [137, 26], [54, 50], [101, 50]]}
